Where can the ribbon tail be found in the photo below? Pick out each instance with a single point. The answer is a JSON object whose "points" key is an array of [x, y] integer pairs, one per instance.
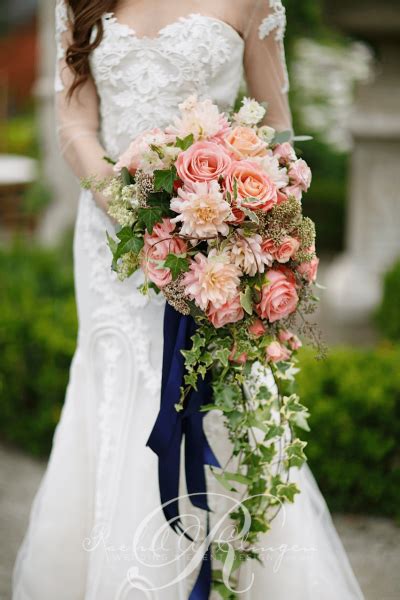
{"points": [[202, 587]]}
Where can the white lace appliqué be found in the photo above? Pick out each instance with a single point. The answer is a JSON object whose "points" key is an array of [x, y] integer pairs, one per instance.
{"points": [[276, 21], [147, 77]]}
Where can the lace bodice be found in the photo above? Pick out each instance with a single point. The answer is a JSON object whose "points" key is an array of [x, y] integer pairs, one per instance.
{"points": [[138, 79], [143, 80]]}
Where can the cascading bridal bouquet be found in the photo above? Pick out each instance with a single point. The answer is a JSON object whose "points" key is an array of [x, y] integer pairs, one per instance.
{"points": [[210, 209]]}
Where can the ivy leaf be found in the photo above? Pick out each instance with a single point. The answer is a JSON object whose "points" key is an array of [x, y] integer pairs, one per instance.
{"points": [[220, 477], [126, 176], [150, 216], [250, 214], [295, 453], [177, 264], [282, 136], [164, 179], [128, 242], [222, 354], [237, 477], [185, 143], [113, 244], [287, 491], [246, 300]]}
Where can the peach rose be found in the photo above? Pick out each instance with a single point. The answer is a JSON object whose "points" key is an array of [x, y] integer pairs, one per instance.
{"points": [[203, 161], [278, 297], [287, 249], [275, 352], [156, 248], [257, 328], [255, 190], [230, 312], [243, 142], [300, 174]]}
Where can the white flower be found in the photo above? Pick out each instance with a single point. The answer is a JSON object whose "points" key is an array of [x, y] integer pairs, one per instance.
{"points": [[266, 133], [246, 253], [250, 113], [270, 165]]}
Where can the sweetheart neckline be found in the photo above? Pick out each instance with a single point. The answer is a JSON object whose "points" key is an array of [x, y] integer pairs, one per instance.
{"points": [[111, 17]]}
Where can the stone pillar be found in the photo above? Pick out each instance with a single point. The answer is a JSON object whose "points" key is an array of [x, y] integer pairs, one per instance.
{"points": [[61, 213], [373, 223]]}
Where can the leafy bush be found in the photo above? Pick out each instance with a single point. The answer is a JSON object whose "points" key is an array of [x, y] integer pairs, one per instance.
{"points": [[388, 313], [353, 450], [37, 340]]}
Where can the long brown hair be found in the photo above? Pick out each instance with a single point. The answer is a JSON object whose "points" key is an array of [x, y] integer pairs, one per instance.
{"points": [[85, 16]]}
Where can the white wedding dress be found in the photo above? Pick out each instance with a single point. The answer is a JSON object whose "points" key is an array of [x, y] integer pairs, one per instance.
{"points": [[101, 481]]}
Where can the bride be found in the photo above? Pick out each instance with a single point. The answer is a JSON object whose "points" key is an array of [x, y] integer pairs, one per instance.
{"points": [[122, 67]]}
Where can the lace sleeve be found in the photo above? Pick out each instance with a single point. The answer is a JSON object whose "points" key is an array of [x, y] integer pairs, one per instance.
{"points": [[77, 116], [265, 63]]}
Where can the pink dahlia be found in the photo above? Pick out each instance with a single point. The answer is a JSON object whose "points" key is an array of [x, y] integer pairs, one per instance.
{"points": [[212, 279]]}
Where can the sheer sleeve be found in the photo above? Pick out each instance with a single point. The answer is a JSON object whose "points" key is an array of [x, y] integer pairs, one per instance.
{"points": [[78, 116], [265, 63]]}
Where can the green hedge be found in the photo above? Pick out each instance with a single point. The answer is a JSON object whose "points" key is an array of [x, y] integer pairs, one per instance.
{"points": [[37, 340], [388, 313], [353, 450], [354, 396]]}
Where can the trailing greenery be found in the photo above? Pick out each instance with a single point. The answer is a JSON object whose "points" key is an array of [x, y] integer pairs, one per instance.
{"points": [[388, 314], [353, 396], [353, 447]]}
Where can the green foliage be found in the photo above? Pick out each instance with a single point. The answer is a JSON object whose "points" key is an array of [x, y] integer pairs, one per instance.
{"points": [[37, 340], [388, 313], [20, 135], [353, 447], [36, 198], [164, 178]]}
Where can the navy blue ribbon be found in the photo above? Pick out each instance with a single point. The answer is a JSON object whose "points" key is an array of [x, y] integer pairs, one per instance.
{"points": [[172, 426]]}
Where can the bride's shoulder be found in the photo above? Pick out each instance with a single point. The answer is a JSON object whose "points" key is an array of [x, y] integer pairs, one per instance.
{"points": [[258, 14]]}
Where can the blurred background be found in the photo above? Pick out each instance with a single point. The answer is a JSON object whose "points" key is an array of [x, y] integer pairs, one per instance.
{"points": [[344, 62]]}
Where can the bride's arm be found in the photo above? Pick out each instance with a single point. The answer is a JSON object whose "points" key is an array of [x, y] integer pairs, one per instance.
{"points": [[77, 116], [264, 61]]}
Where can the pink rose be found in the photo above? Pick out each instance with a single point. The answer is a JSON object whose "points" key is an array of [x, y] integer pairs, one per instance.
{"points": [[203, 161], [285, 153], [287, 249], [293, 191], [243, 142], [156, 248], [300, 174], [309, 269], [257, 328], [286, 336], [278, 296], [230, 312], [275, 352], [268, 247], [241, 359], [255, 190]]}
